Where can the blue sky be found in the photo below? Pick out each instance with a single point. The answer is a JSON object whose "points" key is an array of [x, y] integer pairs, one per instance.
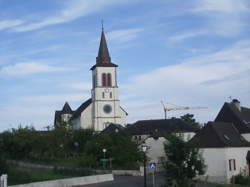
{"points": [[189, 53]]}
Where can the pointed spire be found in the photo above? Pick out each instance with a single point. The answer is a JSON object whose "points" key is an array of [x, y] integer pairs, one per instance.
{"points": [[66, 108], [103, 54]]}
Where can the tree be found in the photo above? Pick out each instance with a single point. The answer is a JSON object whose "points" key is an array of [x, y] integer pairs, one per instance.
{"points": [[189, 118], [183, 161]]}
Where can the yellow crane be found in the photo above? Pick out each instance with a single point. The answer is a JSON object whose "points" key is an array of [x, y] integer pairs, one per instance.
{"points": [[179, 108]]}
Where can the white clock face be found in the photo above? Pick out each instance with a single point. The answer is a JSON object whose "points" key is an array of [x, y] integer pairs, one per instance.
{"points": [[107, 109]]}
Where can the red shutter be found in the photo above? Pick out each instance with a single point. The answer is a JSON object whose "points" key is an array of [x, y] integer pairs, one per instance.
{"points": [[109, 79], [104, 79]]}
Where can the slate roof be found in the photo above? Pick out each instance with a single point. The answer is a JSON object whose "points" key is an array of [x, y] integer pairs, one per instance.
{"points": [[240, 118], [65, 110], [81, 108], [218, 135], [113, 127], [160, 127], [103, 59]]}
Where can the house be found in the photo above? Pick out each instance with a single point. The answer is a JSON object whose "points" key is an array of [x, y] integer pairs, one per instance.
{"points": [[225, 151], [103, 108], [152, 133], [234, 113]]}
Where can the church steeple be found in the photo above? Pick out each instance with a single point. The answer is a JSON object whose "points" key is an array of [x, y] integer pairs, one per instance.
{"points": [[103, 53]]}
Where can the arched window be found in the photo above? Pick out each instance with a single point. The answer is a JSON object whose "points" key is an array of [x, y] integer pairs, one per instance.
{"points": [[104, 79], [109, 80]]}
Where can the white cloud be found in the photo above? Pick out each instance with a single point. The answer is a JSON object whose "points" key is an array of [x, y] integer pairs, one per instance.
{"points": [[207, 80], [180, 37], [27, 68], [72, 10], [124, 35], [224, 17], [83, 86], [6, 24], [226, 6], [52, 99]]}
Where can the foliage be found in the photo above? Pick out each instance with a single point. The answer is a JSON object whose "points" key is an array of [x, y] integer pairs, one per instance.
{"points": [[3, 166], [183, 162], [240, 179], [63, 146], [189, 118]]}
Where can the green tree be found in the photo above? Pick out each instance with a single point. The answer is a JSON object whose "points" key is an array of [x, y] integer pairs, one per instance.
{"points": [[183, 161], [189, 118]]}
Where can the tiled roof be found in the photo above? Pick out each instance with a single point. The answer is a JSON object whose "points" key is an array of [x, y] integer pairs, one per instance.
{"points": [[81, 108], [219, 134], [160, 127], [240, 118], [103, 59], [113, 127]]}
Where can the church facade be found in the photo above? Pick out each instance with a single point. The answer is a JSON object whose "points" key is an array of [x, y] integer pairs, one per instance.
{"points": [[103, 108]]}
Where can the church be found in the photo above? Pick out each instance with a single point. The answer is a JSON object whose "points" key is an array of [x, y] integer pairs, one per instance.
{"points": [[103, 108]]}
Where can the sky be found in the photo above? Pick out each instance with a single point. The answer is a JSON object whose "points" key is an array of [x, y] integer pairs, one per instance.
{"points": [[184, 53]]}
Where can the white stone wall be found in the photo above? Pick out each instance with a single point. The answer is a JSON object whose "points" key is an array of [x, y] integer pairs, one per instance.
{"points": [[217, 161], [155, 149], [102, 96], [86, 118], [239, 154]]}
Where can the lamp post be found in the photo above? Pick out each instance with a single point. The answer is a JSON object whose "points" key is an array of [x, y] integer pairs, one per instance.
{"points": [[144, 150], [104, 151]]}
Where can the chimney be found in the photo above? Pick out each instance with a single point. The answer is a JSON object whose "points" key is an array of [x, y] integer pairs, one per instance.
{"points": [[236, 103]]}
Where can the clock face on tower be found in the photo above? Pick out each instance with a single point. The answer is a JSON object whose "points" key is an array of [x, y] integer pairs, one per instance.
{"points": [[107, 109]]}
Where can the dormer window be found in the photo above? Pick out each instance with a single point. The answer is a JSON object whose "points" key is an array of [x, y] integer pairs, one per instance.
{"points": [[226, 137]]}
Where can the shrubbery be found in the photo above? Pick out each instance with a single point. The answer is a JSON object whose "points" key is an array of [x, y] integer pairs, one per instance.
{"points": [[240, 179], [83, 148]]}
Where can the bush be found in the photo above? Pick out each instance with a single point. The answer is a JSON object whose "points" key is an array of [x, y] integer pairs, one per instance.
{"points": [[240, 179], [3, 166]]}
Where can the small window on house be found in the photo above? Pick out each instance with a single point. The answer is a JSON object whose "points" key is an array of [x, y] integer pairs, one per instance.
{"points": [[110, 95], [103, 95], [139, 137], [226, 137], [232, 164]]}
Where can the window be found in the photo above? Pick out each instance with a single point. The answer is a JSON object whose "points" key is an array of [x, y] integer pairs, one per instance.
{"points": [[110, 95], [109, 83], [232, 165], [104, 79], [103, 95]]}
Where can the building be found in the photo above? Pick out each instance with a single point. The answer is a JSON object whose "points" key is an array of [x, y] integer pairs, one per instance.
{"points": [[103, 107], [152, 133], [64, 115], [225, 152], [234, 113]]}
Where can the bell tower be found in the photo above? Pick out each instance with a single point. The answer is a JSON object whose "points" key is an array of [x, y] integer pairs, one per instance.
{"points": [[105, 101]]}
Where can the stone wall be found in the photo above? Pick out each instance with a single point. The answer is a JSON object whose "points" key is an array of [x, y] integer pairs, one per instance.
{"points": [[71, 181]]}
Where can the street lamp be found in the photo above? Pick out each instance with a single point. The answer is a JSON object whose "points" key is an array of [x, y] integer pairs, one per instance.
{"points": [[144, 150], [104, 151]]}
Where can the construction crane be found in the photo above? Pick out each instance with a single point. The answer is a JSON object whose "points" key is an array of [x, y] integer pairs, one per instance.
{"points": [[179, 108]]}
